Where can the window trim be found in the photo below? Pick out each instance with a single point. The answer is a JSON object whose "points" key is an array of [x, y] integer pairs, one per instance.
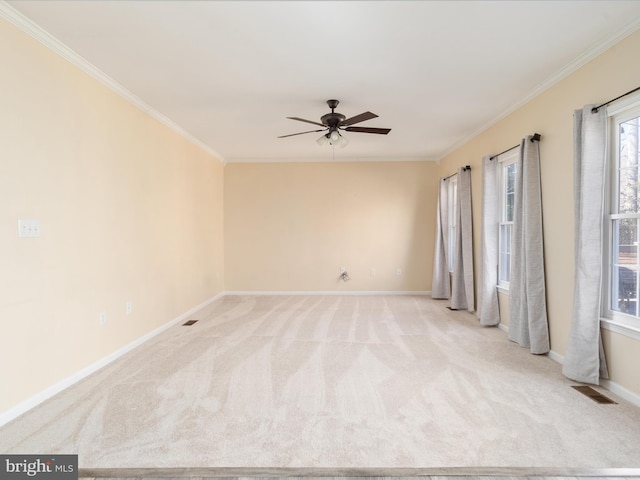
{"points": [[622, 326], [615, 321], [507, 158]]}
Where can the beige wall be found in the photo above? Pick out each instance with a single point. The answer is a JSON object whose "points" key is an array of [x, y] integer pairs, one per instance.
{"points": [[291, 226], [130, 211], [551, 114]]}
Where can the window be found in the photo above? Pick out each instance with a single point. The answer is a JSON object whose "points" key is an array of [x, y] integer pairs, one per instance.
{"points": [[506, 202], [623, 218], [452, 203]]}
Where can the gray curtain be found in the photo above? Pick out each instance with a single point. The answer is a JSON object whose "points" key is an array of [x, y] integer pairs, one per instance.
{"points": [[440, 283], [488, 309], [462, 295], [527, 297], [584, 359]]}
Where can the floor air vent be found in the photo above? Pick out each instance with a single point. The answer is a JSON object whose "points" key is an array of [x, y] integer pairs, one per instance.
{"points": [[188, 323], [593, 394]]}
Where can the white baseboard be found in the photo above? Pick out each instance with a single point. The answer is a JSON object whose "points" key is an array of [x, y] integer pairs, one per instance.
{"points": [[556, 357], [330, 292], [28, 404], [503, 327], [613, 387], [622, 392]]}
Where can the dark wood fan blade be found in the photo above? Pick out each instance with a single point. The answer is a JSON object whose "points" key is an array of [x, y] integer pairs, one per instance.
{"points": [[307, 121], [381, 131], [359, 118], [301, 133]]}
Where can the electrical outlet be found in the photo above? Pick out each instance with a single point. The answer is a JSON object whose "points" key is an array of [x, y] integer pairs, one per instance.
{"points": [[342, 270], [103, 319], [373, 272], [398, 271], [128, 308]]}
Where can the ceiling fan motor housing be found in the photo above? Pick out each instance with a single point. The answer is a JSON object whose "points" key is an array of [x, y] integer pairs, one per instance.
{"points": [[332, 120]]}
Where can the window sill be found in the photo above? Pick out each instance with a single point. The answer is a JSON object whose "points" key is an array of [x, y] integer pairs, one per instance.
{"points": [[628, 328], [503, 290]]}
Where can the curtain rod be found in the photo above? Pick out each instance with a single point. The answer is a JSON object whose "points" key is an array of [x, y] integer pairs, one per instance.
{"points": [[466, 167], [534, 138], [595, 109]]}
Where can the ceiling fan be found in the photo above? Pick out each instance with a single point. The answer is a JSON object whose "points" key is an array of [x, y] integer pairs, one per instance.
{"points": [[333, 122]]}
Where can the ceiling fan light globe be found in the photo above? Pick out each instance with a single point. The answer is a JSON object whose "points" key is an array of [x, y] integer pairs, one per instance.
{"points": [[334, 137], [322, 140]]}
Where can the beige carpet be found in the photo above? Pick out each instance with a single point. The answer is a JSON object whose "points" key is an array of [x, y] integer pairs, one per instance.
{"points": [[330, 381]]}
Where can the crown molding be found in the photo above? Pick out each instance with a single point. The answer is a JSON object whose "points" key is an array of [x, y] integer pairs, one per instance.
{"points": [[588, 55], [259, 293], [29, 27], [340, 159]]}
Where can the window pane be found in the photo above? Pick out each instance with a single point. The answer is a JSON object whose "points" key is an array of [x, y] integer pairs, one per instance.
{"points": [[628, 167], [509, 191], [505, 253], [624, 278]]}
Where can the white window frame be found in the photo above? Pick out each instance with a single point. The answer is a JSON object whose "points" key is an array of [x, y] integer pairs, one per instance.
{"points": [[612, 319], [452, 203], [504, 160]]}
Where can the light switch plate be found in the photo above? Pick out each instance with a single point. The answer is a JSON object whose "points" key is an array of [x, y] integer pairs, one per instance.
{"points": [[28, 228]]}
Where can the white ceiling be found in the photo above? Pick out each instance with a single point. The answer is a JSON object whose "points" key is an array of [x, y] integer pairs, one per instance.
{"points": [[436, 72]]}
